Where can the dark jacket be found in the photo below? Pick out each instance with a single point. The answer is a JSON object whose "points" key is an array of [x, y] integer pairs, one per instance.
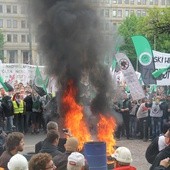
{"points": [[29, 102], [49, 148], [60, 160], [61, 143], [160, 168], [152, 151], [162, 155], [7, 106]]}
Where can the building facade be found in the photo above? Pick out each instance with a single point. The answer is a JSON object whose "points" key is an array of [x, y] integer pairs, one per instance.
{"points": [[20, 43]]}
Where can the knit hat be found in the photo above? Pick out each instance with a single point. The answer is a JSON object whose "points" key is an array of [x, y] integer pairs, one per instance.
{"points": [[76, 159], [18, 162], [71, 144]]}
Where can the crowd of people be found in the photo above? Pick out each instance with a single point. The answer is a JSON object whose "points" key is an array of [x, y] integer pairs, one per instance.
{"points": [[21, 112]]}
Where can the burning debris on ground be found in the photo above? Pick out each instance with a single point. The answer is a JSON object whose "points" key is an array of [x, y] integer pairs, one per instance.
{"points": [[71, 39]]}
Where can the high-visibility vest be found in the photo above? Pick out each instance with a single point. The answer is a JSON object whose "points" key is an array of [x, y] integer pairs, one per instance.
{"points": [[18, 109]]}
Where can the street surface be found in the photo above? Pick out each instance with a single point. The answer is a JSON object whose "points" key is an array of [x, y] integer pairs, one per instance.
{"points": [[137, 148]]}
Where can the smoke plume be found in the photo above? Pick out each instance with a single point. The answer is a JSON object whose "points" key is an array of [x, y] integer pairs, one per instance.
{"points": [[70, 37]]}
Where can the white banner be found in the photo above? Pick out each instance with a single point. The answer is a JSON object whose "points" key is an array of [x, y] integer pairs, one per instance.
{"points": [[20, 73], [130, 76], [162, 60]]}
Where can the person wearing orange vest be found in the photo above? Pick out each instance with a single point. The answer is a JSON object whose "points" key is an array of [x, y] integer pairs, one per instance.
{"points": [[18, 108], [122, 159]]}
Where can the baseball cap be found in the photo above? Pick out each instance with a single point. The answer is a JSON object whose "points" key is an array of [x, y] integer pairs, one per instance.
{"points": [[76, 159]]}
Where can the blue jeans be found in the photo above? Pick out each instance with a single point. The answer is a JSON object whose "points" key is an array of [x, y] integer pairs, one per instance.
{"points": [[132, 126], [156, 124]]}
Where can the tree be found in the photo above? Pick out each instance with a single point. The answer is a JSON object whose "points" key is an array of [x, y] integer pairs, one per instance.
{"points": [[128, 28], [1, 46], [155, 27]]}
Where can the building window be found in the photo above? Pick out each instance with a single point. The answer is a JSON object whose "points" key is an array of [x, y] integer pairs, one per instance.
{"points": [[156, 2], [126, 13], [15, 38], [1, 23], [131, 1], [8, 23], [23, 9], [143, 13], [126, 1], [139, 2], [119, 2], [168, 2], [151, 2], [114, 1], [162, 2], [15, 9], [23, 38], [107, 26], [1, 9], [143, 2], [28, 38], [138, 13], [119, 13], [106, 14], [15, 24], [25, 57], [8, 8], [9, 38], [114, 13], [12, 56], [102, 12], [23, 24]]}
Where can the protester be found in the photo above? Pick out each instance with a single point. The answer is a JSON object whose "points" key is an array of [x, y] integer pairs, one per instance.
{"points": [[125, 107], [165, 153], [158, 144], [14, 144], [19, 109], [51, 125], [41, 161], [7, 108], [76, 161], [123, 158], [51, 143], [36, 113], [18, 162], [61, 160], [28, 110]]}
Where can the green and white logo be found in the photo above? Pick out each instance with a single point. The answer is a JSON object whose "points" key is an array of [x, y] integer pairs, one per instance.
{"points": [[145, 58]]}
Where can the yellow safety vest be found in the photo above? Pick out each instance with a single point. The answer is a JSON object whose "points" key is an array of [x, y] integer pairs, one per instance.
{"points": [[18, 109]]}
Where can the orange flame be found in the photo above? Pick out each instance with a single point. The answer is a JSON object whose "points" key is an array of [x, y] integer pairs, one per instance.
{"points": [[106, 128], [74, 120]]}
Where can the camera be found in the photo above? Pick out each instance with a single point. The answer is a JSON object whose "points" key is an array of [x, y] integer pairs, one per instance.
{"points": [[65, 130]]}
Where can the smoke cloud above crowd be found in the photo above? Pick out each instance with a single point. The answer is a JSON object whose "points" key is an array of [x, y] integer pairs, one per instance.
{"points": [[70, 37]]}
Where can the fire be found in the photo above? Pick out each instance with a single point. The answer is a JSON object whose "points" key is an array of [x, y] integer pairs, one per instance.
{"points": [[106, 128], [74, 120]]}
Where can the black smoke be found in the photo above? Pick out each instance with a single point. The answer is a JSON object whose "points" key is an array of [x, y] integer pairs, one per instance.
{"points": [[70, 37]]}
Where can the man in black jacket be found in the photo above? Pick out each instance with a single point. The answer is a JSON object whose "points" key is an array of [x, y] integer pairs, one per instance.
{"points": [[28, 109], [8, 110], [50, 145], [165, 153]]}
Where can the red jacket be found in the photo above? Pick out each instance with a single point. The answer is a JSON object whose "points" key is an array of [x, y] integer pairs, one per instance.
{"points": [[125, 168]]}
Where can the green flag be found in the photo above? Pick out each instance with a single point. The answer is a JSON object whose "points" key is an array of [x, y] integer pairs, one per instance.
{"points": [[3, 84], [114, 62], [39, 84], [160, 71], [145, 58]]}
